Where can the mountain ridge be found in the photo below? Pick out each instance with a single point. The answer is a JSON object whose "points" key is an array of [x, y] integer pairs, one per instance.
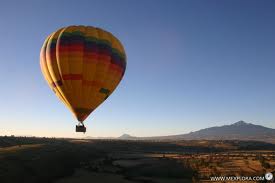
{"points": [[240, 130]]}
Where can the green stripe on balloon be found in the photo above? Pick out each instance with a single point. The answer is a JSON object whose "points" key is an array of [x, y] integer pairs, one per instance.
{"points": [[105, 91]]}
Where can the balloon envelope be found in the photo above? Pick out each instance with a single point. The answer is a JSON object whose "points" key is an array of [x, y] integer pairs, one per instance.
{"points": [[83, 65]]}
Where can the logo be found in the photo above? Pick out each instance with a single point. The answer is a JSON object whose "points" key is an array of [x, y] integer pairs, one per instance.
{"points": [[268, 176]]}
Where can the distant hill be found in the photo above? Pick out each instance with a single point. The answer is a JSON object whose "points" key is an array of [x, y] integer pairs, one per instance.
{"points": [[127, 137], [236, 131]]}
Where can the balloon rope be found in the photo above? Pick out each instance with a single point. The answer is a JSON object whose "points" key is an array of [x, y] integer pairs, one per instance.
{"points": [[80, 122]]}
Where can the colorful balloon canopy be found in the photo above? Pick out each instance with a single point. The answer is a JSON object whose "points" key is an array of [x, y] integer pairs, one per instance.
{"points": [[83, 65]]}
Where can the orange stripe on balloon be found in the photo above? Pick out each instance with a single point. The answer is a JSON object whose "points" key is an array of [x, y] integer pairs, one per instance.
{"points": [[91, 83]]}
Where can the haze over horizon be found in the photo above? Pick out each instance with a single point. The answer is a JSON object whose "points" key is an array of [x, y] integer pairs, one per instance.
{"points": [[190, 65]]}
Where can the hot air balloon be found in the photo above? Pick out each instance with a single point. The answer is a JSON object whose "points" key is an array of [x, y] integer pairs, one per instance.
{"points": [[83, 65]]}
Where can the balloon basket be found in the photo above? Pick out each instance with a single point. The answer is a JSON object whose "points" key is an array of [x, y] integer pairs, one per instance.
{"points": [[80, 128]]}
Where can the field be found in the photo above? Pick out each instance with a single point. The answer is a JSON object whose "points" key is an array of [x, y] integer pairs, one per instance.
{"points": [[50, 160]]}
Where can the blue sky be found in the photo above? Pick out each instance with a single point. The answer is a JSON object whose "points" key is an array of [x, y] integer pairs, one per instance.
{"points": [[191, 64]]}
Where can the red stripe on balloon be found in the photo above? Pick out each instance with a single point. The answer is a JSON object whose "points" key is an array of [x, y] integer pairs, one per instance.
{"points": [[72, 77]]}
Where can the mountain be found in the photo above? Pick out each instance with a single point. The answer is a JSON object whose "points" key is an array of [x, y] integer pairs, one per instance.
{"points": [[127, 137], [239, 130], [236, 131]]}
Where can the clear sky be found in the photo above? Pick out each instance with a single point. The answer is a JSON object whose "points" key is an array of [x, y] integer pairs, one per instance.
{"points": [[191, 64]]}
